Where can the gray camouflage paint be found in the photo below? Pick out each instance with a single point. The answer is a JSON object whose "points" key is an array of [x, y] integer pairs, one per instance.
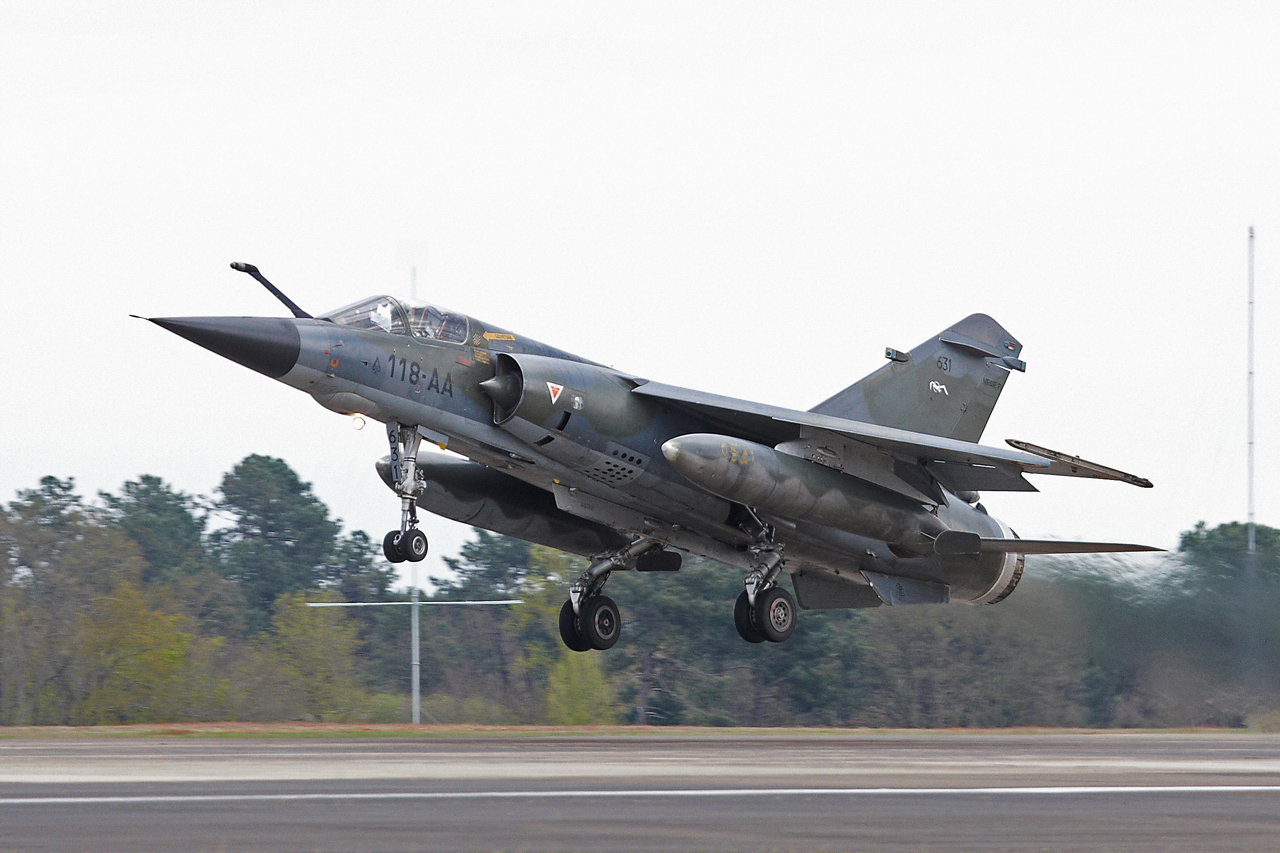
{"points": [[577, 456]]}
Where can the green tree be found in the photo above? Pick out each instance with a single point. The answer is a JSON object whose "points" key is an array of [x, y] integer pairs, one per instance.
{"points": [[472, 657], [1231, 601], [108, 614], [168, 526], [1242, 592], [678, 651], [353, 571], [90, 631], [489, 566], [685, 663], [357, 575], [215, 605], [1017, 663], [317, 648], [139, 665], [533, 627], [1226, 546], [578, 692], [280, 539], [1189, 640], [58, 560]]}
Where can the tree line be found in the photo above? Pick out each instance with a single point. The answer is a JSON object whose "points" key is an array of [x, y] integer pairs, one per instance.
{"points": [[150, 605]]}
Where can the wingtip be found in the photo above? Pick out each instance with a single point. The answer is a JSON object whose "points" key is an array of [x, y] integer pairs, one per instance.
{"points": [[1075, 464], [1140, 482]]}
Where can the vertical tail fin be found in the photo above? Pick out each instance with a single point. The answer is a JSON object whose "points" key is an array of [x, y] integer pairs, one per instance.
{"points": [[947, 386]]}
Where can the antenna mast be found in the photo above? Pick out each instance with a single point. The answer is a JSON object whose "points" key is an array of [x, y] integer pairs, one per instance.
{"points": [[1253, 547]]}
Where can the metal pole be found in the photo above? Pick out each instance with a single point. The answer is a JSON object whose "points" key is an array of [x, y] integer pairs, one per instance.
{"points": [[413, 629], [413, 632], [1252, 542]]}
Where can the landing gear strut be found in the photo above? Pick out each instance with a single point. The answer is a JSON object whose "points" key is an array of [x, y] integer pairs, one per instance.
{"points": [[589, 619], [407, 543], [764, 610]]}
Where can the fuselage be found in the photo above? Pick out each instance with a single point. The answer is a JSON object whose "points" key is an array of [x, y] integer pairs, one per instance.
{"points": [[574, 460]]}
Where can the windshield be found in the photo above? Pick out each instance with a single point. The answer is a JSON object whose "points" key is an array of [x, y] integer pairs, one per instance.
{"points": [[381, 312], [428, 321]]}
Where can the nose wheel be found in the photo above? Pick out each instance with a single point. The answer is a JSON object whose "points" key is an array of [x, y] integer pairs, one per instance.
{"points": [[408, 543]]}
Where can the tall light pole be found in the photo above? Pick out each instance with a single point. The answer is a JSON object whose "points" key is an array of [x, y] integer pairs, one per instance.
{"points": [[1253, 547]]}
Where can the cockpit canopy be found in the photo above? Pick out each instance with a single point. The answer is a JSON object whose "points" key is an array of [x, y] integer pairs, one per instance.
{"points": [[401, 318]]}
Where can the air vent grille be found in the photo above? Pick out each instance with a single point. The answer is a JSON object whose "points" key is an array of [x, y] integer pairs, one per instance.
{"points": [[617, 466], [613, 473]]}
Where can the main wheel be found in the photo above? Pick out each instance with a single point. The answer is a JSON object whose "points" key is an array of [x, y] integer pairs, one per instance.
{"points": [[569, 629], [742, 620], [600, 622], [775, 614], [391, 547], [413, 545]]}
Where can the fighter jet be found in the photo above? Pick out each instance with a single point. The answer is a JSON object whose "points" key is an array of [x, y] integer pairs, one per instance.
{"points": [[870, 498]]}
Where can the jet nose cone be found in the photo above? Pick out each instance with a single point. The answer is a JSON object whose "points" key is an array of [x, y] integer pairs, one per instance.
{"points": [[269, 345]]}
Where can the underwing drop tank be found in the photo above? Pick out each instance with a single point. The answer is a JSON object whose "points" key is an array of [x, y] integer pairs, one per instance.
{"points": [[788, 486]]}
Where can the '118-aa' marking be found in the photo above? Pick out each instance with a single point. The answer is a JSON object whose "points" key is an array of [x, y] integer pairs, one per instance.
{"points": [[412, 373]]}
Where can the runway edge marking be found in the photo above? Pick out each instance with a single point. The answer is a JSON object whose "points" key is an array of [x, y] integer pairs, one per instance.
{"points": [[677, 792]]}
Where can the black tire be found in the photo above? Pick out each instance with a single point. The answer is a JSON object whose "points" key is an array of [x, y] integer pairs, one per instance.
{"points": [[743, 621], [600, 622], [391, 547], [775, 614], [413, 545], [569, 629]]}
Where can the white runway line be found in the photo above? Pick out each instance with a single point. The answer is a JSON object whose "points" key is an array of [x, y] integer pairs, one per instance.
{"points": [[637, 794]]}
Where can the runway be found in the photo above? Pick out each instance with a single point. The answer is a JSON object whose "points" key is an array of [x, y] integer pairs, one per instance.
{"points": [[862, 791]]}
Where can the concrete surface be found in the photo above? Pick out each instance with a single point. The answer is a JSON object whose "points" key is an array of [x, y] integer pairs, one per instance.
{"points": [[865, 791]]}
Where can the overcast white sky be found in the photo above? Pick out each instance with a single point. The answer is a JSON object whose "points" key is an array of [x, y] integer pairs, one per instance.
{"points": [[750, 199]]}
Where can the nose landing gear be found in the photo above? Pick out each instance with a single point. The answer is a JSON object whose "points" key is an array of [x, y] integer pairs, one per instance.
{"points": [[407, 543]]}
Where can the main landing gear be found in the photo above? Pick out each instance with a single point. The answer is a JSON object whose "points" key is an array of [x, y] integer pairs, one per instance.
{"points": [[407, 543], [764, 610], [589, 619]]}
